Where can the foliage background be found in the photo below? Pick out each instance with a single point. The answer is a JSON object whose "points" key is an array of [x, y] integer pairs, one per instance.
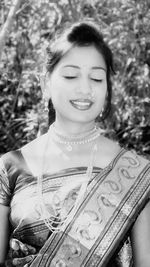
{"points": [[126, 28]]}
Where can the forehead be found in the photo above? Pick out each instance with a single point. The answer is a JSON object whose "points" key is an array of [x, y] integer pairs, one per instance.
{"points": [[84, 56]]}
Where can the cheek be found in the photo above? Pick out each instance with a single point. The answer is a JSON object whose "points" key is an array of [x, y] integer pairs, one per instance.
{"points": [[101, 91], [58, 95], [55, 88]]}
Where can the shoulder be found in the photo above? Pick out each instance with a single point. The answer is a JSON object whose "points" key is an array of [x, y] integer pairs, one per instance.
{"points": [[107, 150], [112, 148], [33, 153], [12, 165], [11, 157], [15, 157], [16, 160], [109, 145], [37, 145]]}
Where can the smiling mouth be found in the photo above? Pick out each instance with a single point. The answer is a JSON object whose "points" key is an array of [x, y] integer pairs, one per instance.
{"points": [[81, 104]]}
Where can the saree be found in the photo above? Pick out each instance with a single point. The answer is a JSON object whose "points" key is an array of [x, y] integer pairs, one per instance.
{"points": [[99, 232]]}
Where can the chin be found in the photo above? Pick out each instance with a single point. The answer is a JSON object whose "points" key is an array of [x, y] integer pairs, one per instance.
{"points": [[78, 117], [83, 120]]}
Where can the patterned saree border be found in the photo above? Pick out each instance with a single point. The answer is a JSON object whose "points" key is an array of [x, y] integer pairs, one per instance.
{"points": [[101, 250], [56, 239], [129, 208]]}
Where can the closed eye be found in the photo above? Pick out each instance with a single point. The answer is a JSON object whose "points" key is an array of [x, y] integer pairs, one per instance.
{"points": [[96, 80], [70, 77]]}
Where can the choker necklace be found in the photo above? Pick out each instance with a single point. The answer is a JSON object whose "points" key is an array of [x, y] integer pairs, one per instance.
{"points": [[72, 140]]}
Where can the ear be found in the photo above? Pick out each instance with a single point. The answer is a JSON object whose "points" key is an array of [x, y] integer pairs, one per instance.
{"points": [[45, 85]]}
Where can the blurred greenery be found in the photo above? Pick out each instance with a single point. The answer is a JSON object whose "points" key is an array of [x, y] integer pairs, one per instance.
{"points": [[126, 28]]}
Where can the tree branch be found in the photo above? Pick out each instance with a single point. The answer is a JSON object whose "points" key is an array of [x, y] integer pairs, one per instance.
{"points": [[73, 9], [8, 24]]}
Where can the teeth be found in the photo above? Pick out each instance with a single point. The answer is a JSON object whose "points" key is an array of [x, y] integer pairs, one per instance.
{"points": [[81, 103]]}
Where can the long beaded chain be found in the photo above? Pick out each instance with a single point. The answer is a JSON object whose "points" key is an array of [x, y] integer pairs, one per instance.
{"points": [[54, 223]]}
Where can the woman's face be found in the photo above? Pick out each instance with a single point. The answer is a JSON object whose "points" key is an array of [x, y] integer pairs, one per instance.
{"points": [[78, 86]]}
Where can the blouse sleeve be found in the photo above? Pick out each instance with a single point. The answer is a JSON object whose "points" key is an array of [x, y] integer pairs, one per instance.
{"points": [[5, 194]]}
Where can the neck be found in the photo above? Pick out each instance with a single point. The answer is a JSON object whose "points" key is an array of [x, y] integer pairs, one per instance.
{"points": [[72, 141], [73, 129]]}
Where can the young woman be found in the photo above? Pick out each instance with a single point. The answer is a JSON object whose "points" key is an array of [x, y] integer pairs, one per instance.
{"points": [[72, 197]]}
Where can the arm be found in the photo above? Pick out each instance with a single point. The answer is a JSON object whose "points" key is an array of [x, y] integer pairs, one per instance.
{"points": [[140, 238], [4, 231]]}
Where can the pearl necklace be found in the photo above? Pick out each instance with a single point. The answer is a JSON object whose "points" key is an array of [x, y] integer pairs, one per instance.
{"points": [[54, 222], [70, 141]]}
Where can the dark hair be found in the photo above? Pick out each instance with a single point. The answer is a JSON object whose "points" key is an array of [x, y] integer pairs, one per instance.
{"points": [[84, 33]]}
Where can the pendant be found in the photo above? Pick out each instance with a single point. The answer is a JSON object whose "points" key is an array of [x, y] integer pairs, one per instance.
{"points": [[69, 147]]}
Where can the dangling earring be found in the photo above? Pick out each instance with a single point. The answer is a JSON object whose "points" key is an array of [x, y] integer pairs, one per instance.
{"points": [[46, 109], [104, 110], [101, 114]]}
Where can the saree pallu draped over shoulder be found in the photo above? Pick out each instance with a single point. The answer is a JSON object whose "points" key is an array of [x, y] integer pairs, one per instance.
{"points": [[111, 205]]}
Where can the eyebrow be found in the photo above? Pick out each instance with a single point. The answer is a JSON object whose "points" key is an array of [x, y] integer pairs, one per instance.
{"points": [[72, 66], [98, 68], [93, 68]]}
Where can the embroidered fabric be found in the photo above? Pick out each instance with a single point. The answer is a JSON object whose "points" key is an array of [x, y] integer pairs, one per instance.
{"points": [[28, 226], [34, 232]]}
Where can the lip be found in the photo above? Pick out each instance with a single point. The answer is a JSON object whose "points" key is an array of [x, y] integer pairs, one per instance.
{"points": [[81, 104]]}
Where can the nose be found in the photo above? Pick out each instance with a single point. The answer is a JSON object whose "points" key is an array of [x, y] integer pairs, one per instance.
{"points": [[84, 86]]}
